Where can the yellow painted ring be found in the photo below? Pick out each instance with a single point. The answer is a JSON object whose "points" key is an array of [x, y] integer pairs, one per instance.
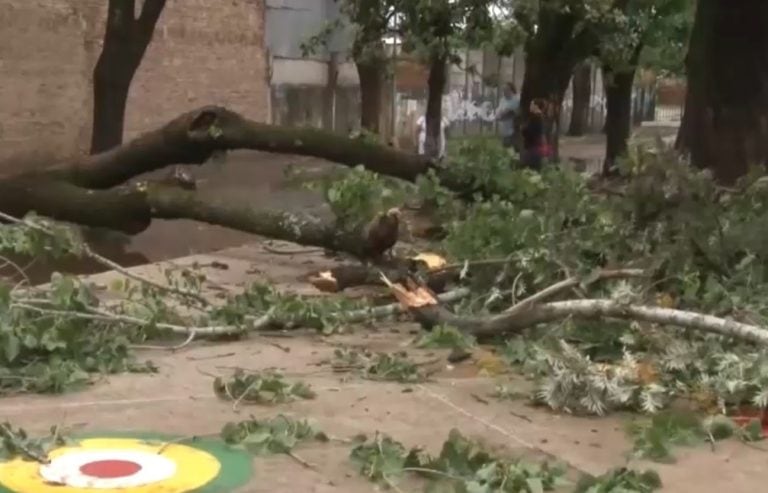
{"points": [[194, 468]]}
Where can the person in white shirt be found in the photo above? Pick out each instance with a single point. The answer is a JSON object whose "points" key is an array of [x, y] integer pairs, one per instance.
{"points": [[421, 128], [509, 106]]}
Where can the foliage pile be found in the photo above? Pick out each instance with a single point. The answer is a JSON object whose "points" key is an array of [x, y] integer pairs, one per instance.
{"points": [[700, 244], [53, 337]]}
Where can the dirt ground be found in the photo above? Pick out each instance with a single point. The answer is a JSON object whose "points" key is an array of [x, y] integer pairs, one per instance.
{"points": [[179, 399]]}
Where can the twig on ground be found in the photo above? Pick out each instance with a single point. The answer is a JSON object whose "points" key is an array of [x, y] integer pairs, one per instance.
{"points": [[298, 459], [104, 316], [242, 395], [395, 308], [569, 283], [189, 438], [473, 263], [187, 342]]}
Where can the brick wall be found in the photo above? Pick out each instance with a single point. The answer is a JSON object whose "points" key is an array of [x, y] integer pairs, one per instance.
{"points": [[203, 52]]}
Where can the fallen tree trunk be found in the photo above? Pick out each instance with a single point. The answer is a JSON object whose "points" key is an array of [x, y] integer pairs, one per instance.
{"points": [[76, 190], [131, 210], [125, 210], [193, 137]]}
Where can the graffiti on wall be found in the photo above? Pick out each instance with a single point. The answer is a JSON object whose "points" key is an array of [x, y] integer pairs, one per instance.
{"points": [[457, 107]]}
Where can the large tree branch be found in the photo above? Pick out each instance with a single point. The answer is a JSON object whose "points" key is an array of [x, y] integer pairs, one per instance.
{"points": [[193, 137], [169, 203], [131, 209], [426, 309], [509, 323], [125, 210]]}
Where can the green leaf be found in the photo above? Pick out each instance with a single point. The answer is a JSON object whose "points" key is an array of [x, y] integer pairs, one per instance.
{"points": [[11, 348], [535, 485]]}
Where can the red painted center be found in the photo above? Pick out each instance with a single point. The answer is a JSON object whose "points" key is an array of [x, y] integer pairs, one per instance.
{"points": [[106, 469]]}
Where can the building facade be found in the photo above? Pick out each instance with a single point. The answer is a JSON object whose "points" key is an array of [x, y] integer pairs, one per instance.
{"points": [[202, 53]]}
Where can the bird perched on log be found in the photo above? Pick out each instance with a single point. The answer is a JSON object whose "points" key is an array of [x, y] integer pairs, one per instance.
{"points": [[381, 234]]}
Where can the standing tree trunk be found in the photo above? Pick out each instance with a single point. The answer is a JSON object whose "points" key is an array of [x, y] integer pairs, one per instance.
{"points": [[618, 117], [582, 90], [725, 124], [552, 55], [436, 85], [371, 74], [126, 39]]}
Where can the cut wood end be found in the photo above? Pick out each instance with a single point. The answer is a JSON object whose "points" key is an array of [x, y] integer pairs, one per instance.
{"points": [[324, 281], [416, 297], [433, 261]]}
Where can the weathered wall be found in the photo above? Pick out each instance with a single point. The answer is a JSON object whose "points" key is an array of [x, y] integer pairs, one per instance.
{"points": [[203, 52]]}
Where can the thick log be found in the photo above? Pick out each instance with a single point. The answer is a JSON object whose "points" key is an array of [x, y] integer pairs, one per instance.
{"points": [[172, 203], [125, 210], [193, 137]]}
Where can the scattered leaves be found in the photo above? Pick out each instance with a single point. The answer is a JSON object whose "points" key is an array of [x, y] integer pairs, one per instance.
{"points": [[461, 466], [278, 435], [394, 367], [260, 388]]}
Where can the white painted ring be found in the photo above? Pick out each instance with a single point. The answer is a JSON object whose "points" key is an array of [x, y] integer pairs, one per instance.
{"points": [[65, 469]]}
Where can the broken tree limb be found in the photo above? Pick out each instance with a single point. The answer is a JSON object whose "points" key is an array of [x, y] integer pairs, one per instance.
{"points": [[436, 277], [353, 275], [170, 203], [131, 209], [572, 282], [426, 309], [125, 210], [511, 323], [193, 137]]}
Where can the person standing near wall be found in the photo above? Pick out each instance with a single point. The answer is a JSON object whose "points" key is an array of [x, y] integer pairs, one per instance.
{"points": [[535, 145], [509, 106], [421, 137]]}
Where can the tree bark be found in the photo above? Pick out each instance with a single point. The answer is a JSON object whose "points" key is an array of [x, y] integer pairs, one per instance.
{"points": [[371, 74], [618, 117], [725, 124], [126, 39], [74, 191], [582, 90], [552, 55], [438, 71], [193, 137]]}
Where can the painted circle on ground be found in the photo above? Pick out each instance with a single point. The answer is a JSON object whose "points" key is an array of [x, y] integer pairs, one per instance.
{"points": [[121, 464], [108, 468]]}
